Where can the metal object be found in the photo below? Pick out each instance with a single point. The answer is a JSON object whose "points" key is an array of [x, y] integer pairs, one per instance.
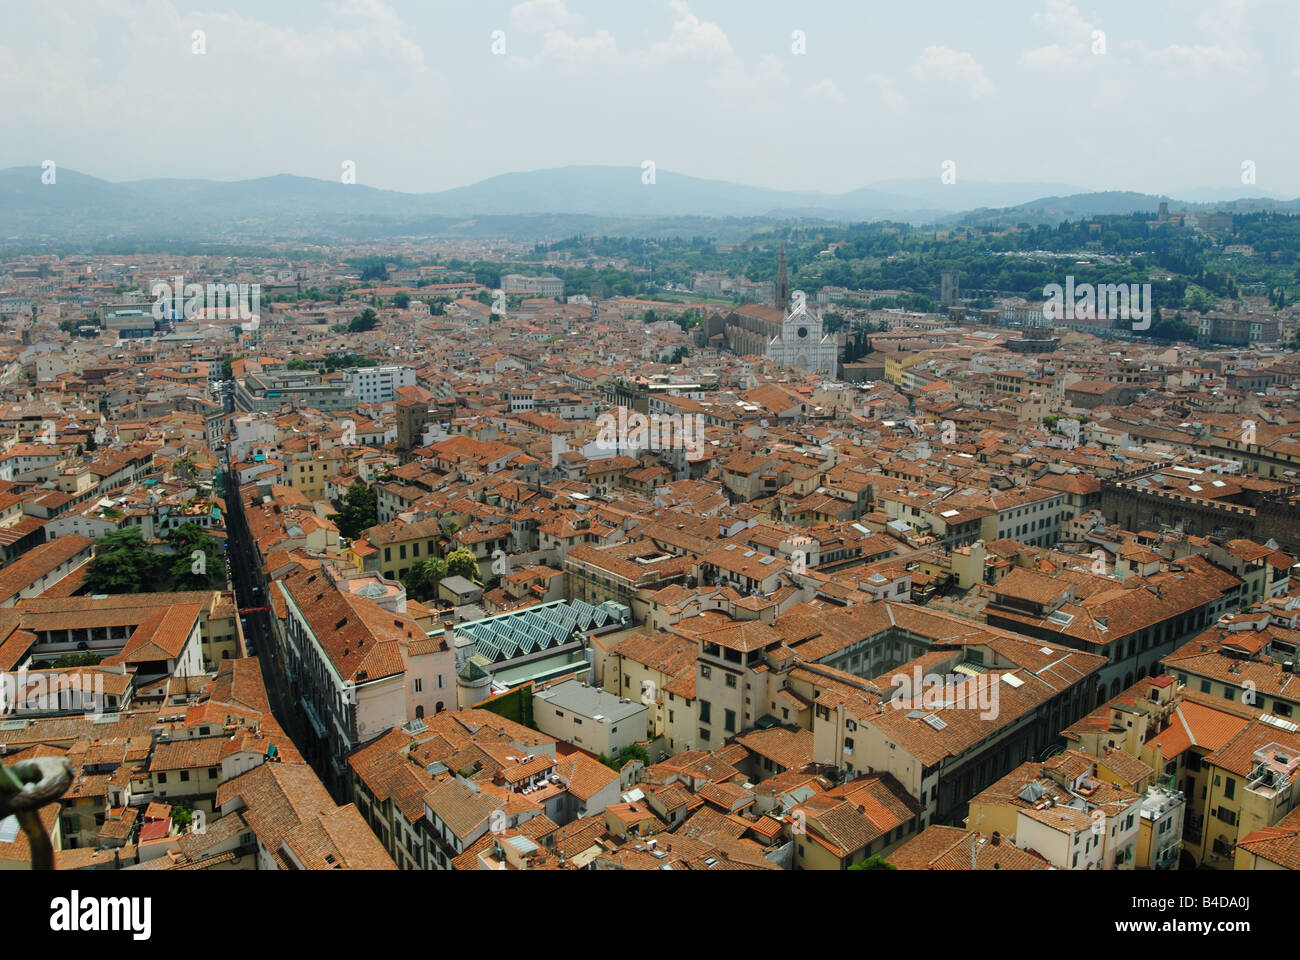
{"points": [[24, 789]]}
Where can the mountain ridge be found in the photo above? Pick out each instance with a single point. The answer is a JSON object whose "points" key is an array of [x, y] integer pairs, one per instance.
{"points": [[80, 204]]}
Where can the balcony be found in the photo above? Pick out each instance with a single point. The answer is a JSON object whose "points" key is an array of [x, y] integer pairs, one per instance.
{"points": [[1272, 769]]}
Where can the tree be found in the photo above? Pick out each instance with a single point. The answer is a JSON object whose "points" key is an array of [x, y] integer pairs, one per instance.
{"points": [[358, 512], [373, 268], [77, 660], [421, 581], [124, 564], [298, 363], [196, 563], [461, 563], [182, 816], [874, 862], [364, 322], [629, 753], [401, 300]]}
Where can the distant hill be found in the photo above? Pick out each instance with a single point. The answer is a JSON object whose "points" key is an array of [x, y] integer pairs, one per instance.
{"points": [[533, 205], [1110, 203]]}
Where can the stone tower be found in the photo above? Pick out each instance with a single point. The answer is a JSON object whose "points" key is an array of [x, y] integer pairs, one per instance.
{"points": [[782, 284]]}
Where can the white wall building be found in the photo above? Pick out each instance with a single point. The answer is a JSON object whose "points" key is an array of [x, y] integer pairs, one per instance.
{"points": [[378, 384]]}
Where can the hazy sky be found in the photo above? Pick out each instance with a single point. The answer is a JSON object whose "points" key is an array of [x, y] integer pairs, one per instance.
{"points": [[1185, 92]]}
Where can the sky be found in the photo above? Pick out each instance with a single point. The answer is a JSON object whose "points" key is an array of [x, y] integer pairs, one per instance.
{"points": [[827, 95]]}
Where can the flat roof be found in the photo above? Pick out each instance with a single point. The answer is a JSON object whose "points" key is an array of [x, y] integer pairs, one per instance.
{"points": [[589, 701]]}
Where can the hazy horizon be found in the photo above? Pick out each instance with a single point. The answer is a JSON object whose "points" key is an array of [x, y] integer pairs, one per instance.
{"points": [[1193, 194]]}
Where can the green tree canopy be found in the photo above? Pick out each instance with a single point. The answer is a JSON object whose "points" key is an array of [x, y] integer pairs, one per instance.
{"points": [[358, 512], [196, 562], [875, 862], [124, 564], [363, 322], [421, 581], [461, 563]]}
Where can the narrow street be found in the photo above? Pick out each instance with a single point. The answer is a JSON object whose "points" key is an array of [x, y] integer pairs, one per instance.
{"points": [[250, 596]]}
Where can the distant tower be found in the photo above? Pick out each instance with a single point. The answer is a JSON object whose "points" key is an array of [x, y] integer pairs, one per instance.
{"points": [[782, 284], [950, 288]]}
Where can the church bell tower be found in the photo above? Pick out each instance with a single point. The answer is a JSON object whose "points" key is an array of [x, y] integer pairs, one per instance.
{"points": [[782, 284]]}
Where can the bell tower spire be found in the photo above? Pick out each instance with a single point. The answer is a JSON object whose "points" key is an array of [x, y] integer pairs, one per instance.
{"points": [[782, 284]]}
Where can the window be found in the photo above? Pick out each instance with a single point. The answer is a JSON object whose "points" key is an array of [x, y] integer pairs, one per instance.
{"points": [[162, 778], [729, 720], [705, 672], [706, 709], [1205, 686], [1229, 788], [212, 773], [185, 776], [731, 680]]}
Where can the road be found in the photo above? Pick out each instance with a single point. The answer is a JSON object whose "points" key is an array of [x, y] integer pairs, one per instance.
{"points": [[249, 592]]}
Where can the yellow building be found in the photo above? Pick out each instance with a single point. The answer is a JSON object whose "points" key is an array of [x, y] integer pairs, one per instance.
{"points": [[391, 549]]}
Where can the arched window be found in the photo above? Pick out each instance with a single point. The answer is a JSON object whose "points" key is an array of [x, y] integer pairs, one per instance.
{"points": [[439, 708], [419, 712]]}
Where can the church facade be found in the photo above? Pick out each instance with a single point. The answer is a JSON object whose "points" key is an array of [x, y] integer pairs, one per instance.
{"points": [[777, 333], [802, 343]]}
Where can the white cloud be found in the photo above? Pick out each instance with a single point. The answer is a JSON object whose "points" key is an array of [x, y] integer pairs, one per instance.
{"points": [[945, 75], [824, 91], [543, 16], [691, 37], [1072, 36], [1223, 19], [557, 27], [365, 75], [1199, 57]]}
